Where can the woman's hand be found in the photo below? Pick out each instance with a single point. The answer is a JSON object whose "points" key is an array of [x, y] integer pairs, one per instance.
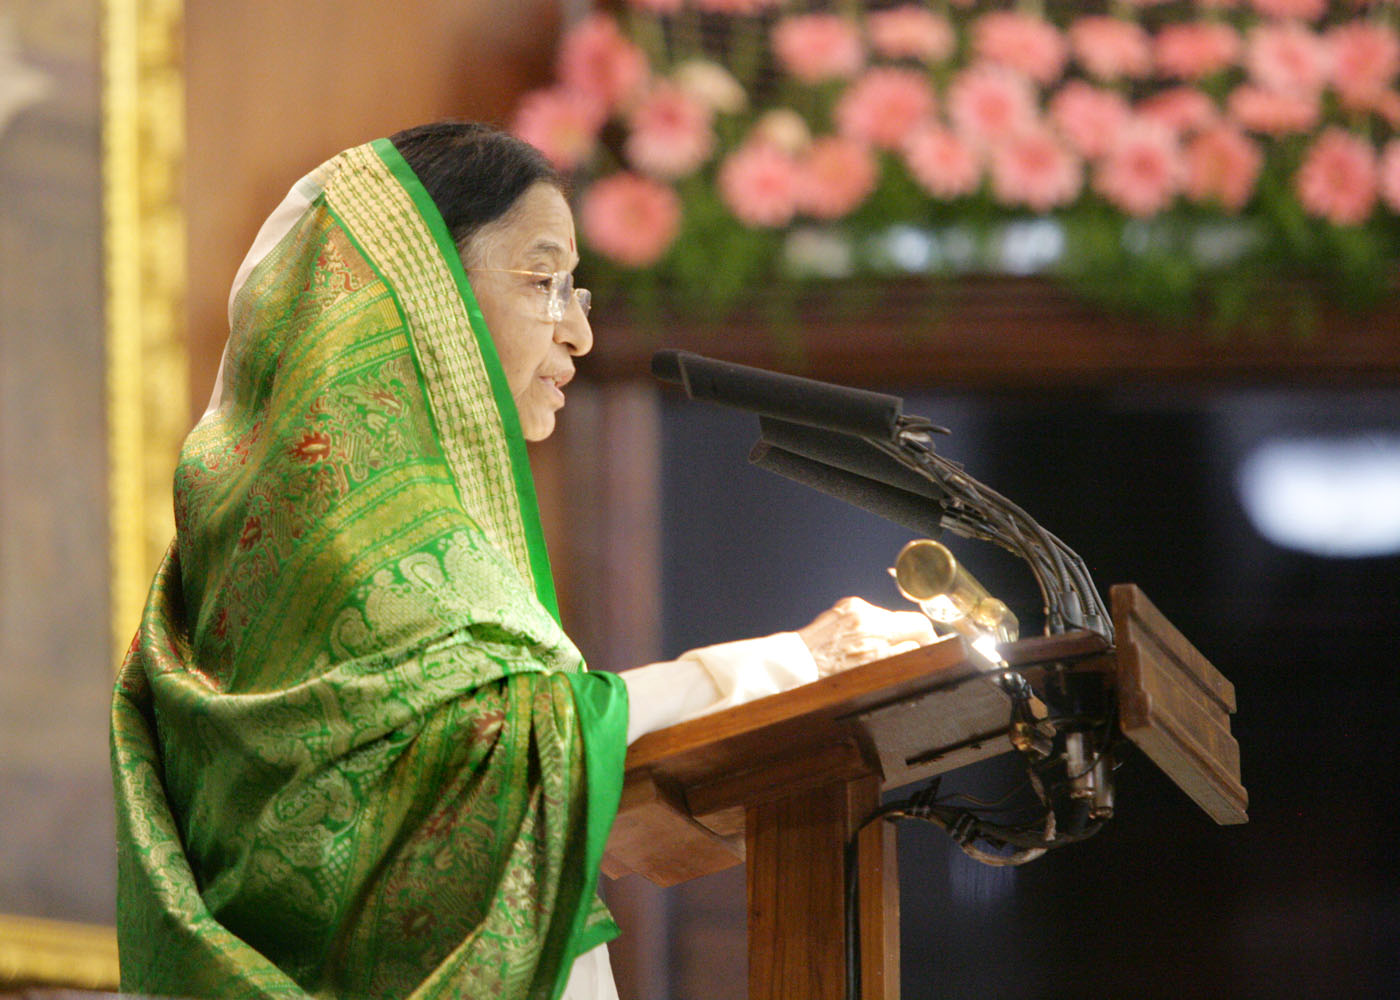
{"points": [[852, 632]]}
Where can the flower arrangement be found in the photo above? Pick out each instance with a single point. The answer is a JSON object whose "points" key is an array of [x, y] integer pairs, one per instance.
{"points": [[1169, 155]]}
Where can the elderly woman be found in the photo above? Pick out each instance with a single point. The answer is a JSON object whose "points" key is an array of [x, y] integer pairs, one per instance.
{"points": [[354, 754]]}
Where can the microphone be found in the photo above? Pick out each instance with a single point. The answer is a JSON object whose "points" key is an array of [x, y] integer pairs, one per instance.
{"points": [[893, 504], [849, 454], [787, 397]]}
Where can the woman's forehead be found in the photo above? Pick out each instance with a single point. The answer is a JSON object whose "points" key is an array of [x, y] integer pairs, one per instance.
{"points": [[541, 227]]}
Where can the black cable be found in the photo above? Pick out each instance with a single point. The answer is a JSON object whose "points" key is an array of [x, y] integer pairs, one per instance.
{"points": [[986, 806], [975, 510], [988, 510]]}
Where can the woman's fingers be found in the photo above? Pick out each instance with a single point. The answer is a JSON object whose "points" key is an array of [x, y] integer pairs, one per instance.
{"points": [[854, 631]]}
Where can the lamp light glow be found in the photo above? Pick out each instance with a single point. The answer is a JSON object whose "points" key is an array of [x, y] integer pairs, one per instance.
{"points": [[986, 645]]}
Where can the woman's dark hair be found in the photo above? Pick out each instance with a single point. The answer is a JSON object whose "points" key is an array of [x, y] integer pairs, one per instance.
{"points": [[474, 173]]}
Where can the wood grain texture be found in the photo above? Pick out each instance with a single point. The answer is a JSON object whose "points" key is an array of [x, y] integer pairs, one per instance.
{"points": [[796, 892], [654, 836], [898, 719], [778, 777], [1176, 707], [877, 858], [804, 718]]}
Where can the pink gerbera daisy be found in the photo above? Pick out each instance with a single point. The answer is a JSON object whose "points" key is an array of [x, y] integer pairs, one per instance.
{"points": [[1308, 10], [562, 124], [1023, 42], [1222, 164], [884, 105], [835, 176], [598, 60], [759, 183], [1195, 49], [988, 101], [1287, 58], [1111, 48], [1181, 109], [1143, 170], [816, 47], [1034, 168], [1365, 57], [1339, 178], [632, 219], [1269, 112], [671, 134], [1089, 117], [945, 165], [910, 32]]}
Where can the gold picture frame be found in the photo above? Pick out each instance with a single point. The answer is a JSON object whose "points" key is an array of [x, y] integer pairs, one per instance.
{"points": [[143, 136]]}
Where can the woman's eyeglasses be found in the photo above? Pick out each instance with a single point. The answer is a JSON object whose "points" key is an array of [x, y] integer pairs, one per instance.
{"points": [[559, 286]]}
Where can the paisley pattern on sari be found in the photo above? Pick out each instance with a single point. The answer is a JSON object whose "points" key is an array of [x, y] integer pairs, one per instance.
{"points": [[354, 753]]}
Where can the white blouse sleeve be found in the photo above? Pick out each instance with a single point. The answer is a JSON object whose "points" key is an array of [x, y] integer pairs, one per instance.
{"points": [[699, 682], [591, 977], [712, 678]]}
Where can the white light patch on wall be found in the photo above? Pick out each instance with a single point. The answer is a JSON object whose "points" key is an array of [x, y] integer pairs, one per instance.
{"points": [[1337, 497]]}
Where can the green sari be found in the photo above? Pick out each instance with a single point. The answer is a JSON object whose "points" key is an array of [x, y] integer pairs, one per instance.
{"points": [[354, 753]]}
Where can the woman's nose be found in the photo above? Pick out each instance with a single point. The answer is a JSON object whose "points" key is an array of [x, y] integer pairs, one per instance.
{"points": [[574, 331]]}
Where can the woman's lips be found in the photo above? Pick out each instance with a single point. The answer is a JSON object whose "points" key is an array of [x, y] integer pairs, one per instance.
{"points": [[555, 384]]}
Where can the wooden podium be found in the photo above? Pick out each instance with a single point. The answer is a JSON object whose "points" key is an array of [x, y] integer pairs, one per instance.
{"points": [[782, 783]]}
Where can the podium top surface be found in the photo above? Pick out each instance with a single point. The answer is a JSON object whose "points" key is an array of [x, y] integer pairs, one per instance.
{"points": [[941, 694]]}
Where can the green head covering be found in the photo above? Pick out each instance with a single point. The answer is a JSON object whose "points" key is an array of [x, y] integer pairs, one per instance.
{"points": [[354, 753]]}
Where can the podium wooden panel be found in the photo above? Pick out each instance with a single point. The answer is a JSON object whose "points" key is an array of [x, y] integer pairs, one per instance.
{"points": [[1176, 707], [783, 782]]}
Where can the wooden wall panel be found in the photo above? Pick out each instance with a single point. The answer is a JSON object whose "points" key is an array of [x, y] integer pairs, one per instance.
{"points": [[274, 88]]}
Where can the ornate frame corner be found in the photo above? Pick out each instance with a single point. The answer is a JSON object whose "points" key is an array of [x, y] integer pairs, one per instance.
{"points": [[37, 952]]}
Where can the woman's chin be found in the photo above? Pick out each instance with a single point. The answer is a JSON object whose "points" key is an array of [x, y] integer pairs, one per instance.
{"points": [[536, 424]]}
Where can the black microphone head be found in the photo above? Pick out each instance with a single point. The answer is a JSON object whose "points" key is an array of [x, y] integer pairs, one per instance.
{"points": [[851, 454], [667, 365], [917, 513], [787, 397]]}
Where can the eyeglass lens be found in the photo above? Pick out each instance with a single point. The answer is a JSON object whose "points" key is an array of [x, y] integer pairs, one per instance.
{"points": [[561, 289]]}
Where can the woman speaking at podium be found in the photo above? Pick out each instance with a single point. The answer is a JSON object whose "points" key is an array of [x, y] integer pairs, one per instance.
{"points": [[354, 753]]}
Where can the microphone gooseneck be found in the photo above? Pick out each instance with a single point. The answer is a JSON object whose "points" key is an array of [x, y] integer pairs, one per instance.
{"points": [[860, 447]]}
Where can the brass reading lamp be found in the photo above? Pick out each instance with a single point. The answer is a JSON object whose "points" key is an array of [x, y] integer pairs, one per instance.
{"points": [[953, 599]]}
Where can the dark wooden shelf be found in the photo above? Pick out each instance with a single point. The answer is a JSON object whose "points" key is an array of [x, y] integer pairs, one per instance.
{"points": [[1002, 332]]}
